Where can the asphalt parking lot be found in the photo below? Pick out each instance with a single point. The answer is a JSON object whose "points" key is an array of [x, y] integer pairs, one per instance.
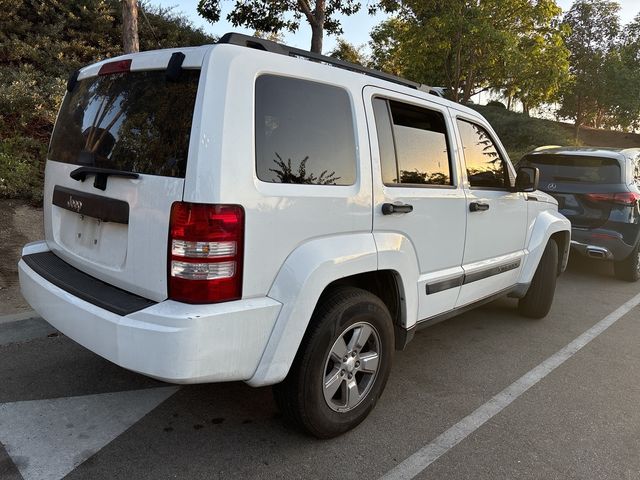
{"points": [[65, 412]]}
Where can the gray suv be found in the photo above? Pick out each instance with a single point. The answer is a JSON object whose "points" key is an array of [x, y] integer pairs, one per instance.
{"points": [[598, 190]]}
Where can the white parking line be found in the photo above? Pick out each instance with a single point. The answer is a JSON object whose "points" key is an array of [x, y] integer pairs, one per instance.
{"points": [[47, 439], [428, 454]]}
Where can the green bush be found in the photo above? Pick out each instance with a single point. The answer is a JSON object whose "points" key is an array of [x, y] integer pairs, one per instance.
{"points": [[21, 172]]}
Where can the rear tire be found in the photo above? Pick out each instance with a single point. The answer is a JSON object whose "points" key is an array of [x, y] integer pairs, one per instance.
{"points": [[324, 394], [629, 268], [537, 302]]}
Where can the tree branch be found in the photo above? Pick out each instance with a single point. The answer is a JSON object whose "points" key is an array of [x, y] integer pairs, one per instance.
{"points": [[306, 9]]}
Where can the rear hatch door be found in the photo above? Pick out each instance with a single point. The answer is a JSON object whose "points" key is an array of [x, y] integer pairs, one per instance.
{"points": [[116, 163], [577, 182]]}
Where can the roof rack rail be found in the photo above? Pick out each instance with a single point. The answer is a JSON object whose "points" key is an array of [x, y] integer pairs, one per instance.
{"points": [[273, 47]]}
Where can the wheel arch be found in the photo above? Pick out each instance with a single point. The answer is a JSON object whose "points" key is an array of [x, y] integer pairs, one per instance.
{"points": [[387, 286], [308, 272], [549, 224]]}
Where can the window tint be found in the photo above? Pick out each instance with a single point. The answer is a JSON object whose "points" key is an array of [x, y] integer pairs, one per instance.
{"points": [[137, 122], [419, 138], [304, 132], [485, 166], [575, 168]]}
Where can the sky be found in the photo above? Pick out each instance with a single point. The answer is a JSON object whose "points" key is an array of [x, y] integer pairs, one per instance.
{"points": [[356, 28]]}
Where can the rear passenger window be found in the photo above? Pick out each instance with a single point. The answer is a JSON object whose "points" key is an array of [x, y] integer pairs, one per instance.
{"points": [[304, 132], [485, 166], [413, 144]]}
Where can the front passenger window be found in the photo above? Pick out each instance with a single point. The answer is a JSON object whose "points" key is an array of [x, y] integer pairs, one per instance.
{"points": [[485, 166]]}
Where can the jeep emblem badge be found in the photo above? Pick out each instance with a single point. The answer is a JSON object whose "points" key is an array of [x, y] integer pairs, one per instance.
{"points": [[74, 204]]}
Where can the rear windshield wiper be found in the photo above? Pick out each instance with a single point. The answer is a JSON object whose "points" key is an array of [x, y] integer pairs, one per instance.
{"points": [[100, 182]]}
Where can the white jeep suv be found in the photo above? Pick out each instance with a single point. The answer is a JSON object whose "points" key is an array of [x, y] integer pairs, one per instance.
{"points": [[248, 211]]}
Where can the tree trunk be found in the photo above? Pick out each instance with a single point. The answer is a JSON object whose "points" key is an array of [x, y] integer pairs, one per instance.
{"points": [[130, 40], [317, 26], [468, 86], [578, 122], [317, 32], [509, 102], [599, 118]]}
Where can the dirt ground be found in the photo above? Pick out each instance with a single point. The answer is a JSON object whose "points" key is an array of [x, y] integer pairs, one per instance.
{"points": [[20, 223]]}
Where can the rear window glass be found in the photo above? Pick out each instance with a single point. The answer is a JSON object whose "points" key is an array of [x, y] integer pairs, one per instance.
{"points": [[304, 132], [574, 168], [137, 122]]}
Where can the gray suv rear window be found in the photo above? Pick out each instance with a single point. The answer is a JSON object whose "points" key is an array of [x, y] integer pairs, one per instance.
{"points": [[575, 168], [304, 132], [136, 122]]}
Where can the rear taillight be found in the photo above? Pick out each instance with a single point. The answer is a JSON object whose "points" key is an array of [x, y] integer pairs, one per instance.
{"points": [[205, 252], [623, 198]]}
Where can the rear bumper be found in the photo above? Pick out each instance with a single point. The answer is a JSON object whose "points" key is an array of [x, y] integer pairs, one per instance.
{"points": [[170, 341], [600, 243]]}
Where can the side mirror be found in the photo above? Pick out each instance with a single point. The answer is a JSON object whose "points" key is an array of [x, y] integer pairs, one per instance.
{"points": [[528, 179]]}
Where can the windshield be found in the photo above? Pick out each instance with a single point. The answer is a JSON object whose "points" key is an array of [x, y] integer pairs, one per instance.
{"points": [[574, 168], [136, 121]]}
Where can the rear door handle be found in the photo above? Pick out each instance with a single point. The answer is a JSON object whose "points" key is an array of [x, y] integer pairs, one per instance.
{"points": [[478, 207], [389, 208]]}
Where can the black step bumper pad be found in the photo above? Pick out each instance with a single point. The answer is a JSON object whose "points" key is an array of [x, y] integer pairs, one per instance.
{"points": [[90, 289]]}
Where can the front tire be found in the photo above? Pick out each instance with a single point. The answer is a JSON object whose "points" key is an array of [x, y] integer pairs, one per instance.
{"points": [[537, 302], [342, 365], [629, 268]]}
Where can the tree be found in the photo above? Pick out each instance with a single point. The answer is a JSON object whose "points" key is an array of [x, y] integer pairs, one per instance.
{"points": [[595, 26], [469, 46], [538, 66], [623, 79], [390, 45], [130, 40], [285, 15], [349, 53]]}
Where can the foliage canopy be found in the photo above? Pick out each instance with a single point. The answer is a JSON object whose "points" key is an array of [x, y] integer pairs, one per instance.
{"points": [[275, 16], [511, 45], [604, 90]]}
